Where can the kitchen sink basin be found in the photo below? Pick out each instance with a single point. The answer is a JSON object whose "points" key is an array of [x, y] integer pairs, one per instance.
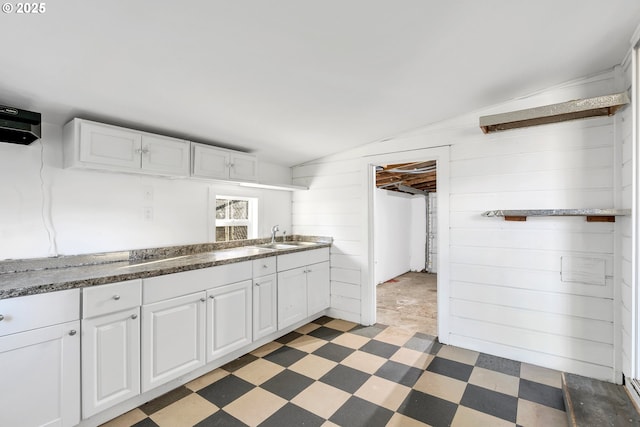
{"points": [[277, 246], [285, 245]]}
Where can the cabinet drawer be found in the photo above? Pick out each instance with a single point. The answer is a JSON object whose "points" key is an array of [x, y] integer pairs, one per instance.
{"points": [[264, 266], [299, 259], [111, 298], [35, 311], [174, 285]]}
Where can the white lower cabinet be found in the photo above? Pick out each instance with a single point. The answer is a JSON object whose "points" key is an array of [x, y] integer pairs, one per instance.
{"points": [[228, 319], [265, 306], [110, 345], [318, 287], [173, 338], [303, 285], [110, 360], [292, 296], [40, 360]]}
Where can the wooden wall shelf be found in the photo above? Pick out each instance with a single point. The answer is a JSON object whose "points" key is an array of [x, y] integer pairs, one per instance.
{"points": [[592, 215], [605, 105]]}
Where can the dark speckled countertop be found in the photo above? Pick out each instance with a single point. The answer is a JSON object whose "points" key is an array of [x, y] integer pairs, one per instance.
{"points": [[36, 276]]}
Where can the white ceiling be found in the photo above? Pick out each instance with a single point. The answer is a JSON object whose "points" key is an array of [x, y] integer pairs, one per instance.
{"points": [[296, 80]]}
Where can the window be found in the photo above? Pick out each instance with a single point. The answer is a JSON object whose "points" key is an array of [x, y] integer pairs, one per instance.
{"points": [[235, 218]]}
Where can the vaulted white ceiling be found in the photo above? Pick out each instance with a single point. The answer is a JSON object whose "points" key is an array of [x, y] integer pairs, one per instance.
{"points": [[296, 80]]}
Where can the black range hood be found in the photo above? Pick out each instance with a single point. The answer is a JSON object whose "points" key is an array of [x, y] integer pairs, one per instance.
{"points": [[19, 126]]}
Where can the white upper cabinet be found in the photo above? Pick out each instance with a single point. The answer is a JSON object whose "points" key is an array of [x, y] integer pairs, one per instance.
{"points": [[219, 163], [244, 167], [209, 162], [109, 146], [99, 146], [166, 156], [93, 145]]}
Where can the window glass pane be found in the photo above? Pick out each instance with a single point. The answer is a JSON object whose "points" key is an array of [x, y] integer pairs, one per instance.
{"points": [[234, 219], [237, 232], [239, 209], [221, 208], [221, 234]]}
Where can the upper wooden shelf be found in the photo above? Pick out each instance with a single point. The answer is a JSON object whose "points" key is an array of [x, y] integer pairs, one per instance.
{"points": [[592, 215], [605, 105]]}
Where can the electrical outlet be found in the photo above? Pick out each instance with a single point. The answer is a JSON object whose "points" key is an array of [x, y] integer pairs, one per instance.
{"points": [[148, 213], [148, 193]]}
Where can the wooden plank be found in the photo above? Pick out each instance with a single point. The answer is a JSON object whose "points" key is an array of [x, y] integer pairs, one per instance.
{"points": [[601, 218], [528, 279], [557, 324], [515, 218], [571, 348], [517, 163], [543, 302], [597, 243], [517, 258]]}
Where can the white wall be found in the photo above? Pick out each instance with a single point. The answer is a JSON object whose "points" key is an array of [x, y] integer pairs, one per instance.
{"points": [[506, 296], [400, 221], [418, 233], [76, 211], [624, 229]]}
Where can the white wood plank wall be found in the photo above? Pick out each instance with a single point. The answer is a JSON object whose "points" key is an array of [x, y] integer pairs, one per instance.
{"points": [[333, 207], [624, 137], [506, 287], [506, 293]]}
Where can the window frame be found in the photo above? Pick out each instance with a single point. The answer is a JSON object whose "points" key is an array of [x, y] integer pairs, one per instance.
{"points": [[251, 222]]}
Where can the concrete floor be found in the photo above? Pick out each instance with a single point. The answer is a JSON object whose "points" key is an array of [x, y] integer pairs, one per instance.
{"points": [[409, 302]]}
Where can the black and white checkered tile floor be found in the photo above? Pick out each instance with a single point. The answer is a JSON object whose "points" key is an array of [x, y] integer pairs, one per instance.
{"points": [[336, 373]]}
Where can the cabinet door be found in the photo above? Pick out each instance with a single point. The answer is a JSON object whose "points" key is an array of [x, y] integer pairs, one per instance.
{"points": [[110, 360], [173, 338], [110, 146], [228, 319], [41, 376], [292, 296], [265, 319], [165, 155], [209, 162], [243, 167], [318, 287]]}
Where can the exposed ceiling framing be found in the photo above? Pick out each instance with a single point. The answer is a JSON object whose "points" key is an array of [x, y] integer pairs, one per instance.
{"points": [[411, 178]]}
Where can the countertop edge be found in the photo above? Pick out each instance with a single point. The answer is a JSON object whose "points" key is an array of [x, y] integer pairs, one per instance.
{"points": [[20, 291]]}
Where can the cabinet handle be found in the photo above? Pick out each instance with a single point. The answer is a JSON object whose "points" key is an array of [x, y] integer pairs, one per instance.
{"points": [[202, 299], [1, 317], [265, 266], [134, 316], [116, 297], [257, 284], [72, 332], [211, 296]]}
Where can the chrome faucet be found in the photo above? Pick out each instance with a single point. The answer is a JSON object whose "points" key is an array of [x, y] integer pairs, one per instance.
{"points": [[274, 229]]}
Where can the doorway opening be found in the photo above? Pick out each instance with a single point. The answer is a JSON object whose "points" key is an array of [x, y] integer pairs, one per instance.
{"points": [[405, 247]]}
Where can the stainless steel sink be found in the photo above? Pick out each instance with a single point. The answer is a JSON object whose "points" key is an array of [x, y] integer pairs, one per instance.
{"points": [[285, 245], [277, 246], [244, 251]]}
